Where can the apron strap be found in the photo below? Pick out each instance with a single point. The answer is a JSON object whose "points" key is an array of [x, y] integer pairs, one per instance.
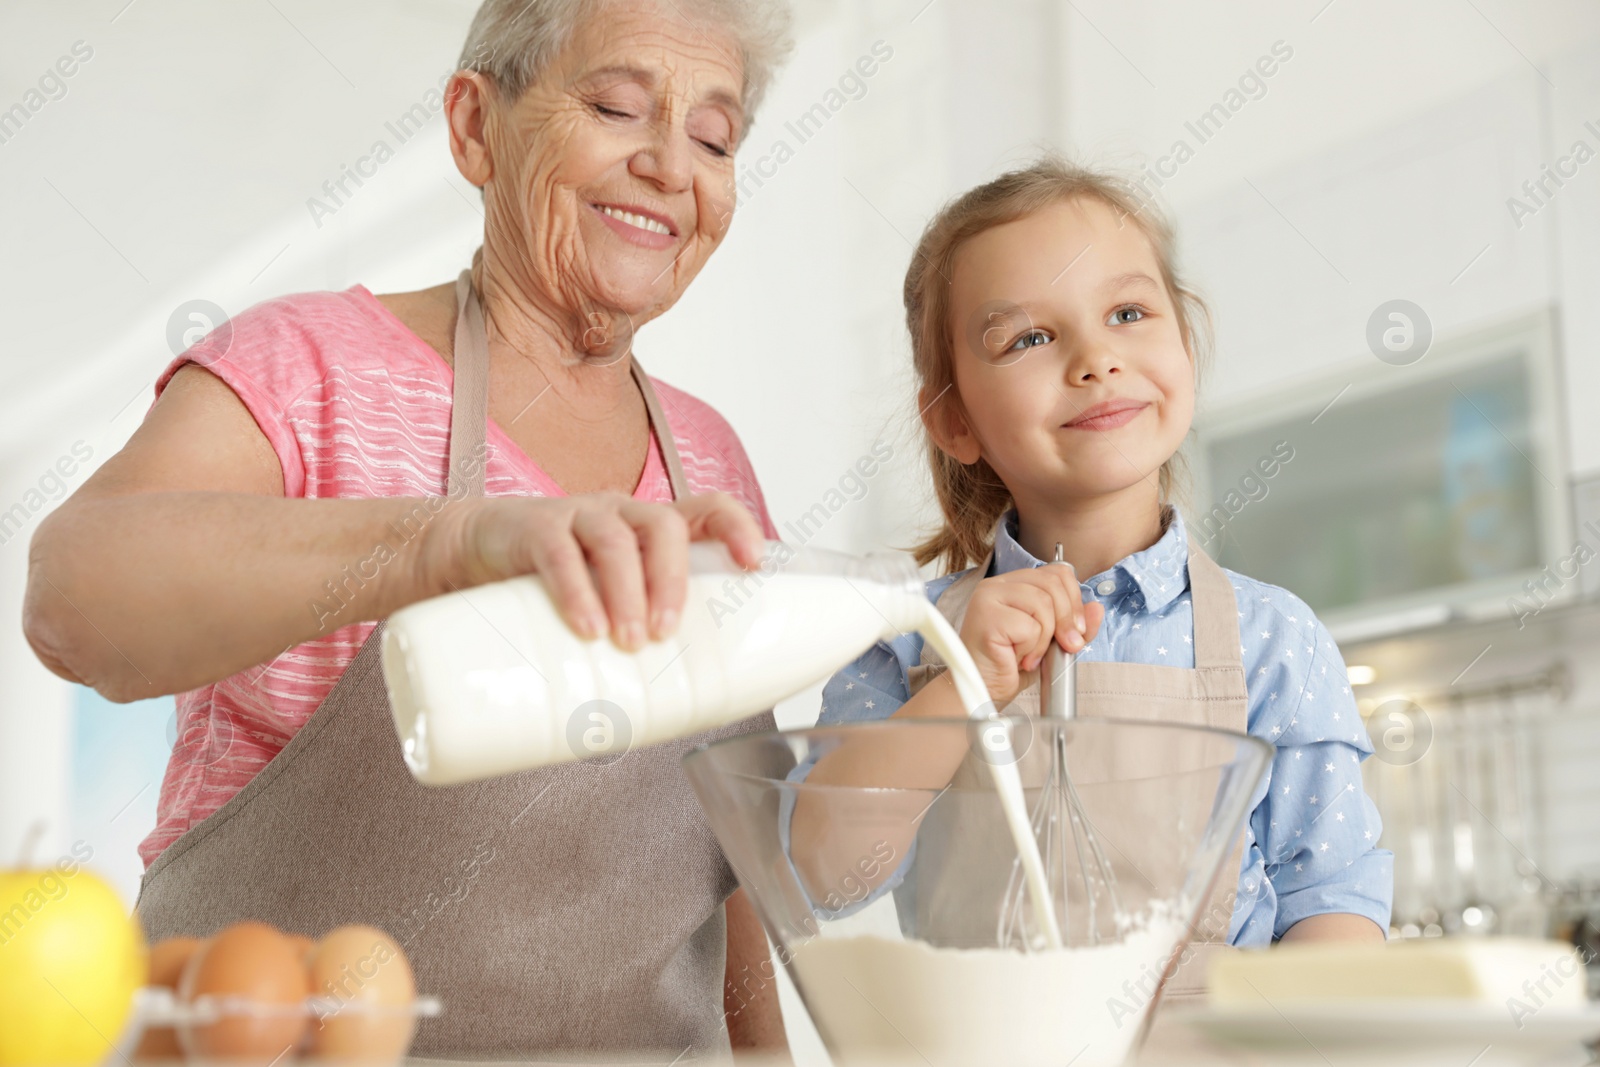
{"points": [[469, 406], [663, 432], [1216, 613], [469, 401]]}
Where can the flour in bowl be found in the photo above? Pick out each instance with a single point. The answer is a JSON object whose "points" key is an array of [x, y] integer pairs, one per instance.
{"points": [[883, 1001]]}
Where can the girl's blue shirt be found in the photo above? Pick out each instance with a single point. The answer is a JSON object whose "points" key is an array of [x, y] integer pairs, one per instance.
{"points": [[1311, 839]]}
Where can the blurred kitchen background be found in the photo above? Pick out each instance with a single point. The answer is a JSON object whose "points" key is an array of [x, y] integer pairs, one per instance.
{"points": [[1394, 211]]}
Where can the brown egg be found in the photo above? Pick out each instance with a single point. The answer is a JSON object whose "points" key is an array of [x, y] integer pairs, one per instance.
{"points": [[253, 962], [302, 945], [167, 960], [363, 969]]}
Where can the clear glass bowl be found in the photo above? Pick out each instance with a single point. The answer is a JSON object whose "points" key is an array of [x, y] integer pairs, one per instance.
{"points": [[881, 865]]}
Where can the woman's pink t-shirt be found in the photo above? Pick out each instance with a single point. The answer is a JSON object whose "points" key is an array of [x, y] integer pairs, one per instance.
{"points": [[356, 405]]}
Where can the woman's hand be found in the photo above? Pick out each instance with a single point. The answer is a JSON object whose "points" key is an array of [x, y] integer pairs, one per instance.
{"points": [[1013, 617], [613, 564]]}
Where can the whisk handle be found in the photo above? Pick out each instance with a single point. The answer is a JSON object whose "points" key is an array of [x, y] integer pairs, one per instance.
{"points": [[1058, 675]]}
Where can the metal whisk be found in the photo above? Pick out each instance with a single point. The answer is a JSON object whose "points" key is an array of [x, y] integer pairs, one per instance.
{"points": [[1059, 820]]}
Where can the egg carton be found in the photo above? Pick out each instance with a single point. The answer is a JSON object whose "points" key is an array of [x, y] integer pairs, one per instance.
{"points": [[157, 1007]]}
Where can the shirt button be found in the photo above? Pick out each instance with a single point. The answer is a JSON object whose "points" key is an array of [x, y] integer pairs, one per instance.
{"points": [[1106, 587]]}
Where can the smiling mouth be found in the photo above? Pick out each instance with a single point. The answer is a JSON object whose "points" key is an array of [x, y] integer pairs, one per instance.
{"points": [[648, 223], [1106, 416]]}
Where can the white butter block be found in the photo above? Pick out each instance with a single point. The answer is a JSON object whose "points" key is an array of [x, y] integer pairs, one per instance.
{"points": [[1483, 970]]}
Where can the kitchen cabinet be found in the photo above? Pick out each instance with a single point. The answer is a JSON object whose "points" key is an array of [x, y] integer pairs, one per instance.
{"points": [[1388, 495]]}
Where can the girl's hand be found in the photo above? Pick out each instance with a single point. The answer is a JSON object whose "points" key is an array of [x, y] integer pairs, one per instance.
{"points": [[610, 562], [1013, 617]]}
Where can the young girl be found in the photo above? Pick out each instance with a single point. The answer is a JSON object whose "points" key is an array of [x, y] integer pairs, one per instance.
{"points": [[1057, 354]]}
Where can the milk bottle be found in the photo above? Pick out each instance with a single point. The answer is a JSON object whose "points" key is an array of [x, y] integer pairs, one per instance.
{"points": [[489, 680]]}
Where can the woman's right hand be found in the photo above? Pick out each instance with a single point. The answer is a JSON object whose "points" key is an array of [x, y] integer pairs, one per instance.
{"points": [[1013, 617], [612, 564]]}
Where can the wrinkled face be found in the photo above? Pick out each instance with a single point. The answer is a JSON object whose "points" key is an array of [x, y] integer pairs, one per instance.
{"points": [[616, 168], [1071, 373]]}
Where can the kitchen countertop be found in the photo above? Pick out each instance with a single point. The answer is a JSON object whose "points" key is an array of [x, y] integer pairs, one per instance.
{"points": [[1171, 1044]]}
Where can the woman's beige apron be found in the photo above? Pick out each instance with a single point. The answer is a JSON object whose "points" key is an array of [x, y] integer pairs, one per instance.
{"points": [[1212, 694], [570, 907]]}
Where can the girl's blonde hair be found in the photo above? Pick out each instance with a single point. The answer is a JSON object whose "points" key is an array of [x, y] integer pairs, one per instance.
{"points": [[972, 497]]}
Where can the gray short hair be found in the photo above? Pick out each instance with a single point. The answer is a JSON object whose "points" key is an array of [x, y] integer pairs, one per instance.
{"points": [[514, 41]]}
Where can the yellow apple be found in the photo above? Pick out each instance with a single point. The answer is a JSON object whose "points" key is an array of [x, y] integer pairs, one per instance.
{"points": [[71, 959]]}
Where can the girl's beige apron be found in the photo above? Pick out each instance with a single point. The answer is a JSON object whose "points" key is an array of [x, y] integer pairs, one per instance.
{"points": [[1212, 694], [572, 907]]}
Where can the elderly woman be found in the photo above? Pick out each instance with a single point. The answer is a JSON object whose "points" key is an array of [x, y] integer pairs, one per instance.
{"points": [[338, 455]]}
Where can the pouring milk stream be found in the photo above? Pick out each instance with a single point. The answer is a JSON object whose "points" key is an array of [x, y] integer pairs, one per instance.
{"points": [[489, 680]]}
